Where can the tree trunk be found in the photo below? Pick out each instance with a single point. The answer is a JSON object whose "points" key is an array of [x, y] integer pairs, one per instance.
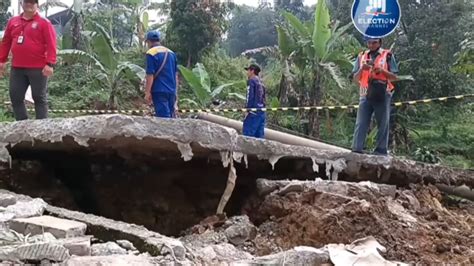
{"points": [[76, 31], [285, 83], [189, 63], [283, 90], [315, 99]]}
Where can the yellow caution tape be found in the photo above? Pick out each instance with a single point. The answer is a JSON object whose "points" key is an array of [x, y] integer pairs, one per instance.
{"points": [[234, 110]]}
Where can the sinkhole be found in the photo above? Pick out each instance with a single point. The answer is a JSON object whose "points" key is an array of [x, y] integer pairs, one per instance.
{"points": [[145, 182]]}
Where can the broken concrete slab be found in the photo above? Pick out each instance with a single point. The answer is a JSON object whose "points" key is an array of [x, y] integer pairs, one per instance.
{"points": [[60, 228], [137, 135], [109, 230], [34, 252]]}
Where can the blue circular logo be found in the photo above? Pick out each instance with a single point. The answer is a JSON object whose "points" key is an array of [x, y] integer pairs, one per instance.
{"points": [[376, 18]]}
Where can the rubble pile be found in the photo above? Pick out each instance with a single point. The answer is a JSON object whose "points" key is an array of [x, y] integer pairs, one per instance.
{"points": [[118, 190]]}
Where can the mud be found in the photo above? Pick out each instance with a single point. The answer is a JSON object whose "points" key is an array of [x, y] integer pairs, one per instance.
{"points": [[416, 226]]}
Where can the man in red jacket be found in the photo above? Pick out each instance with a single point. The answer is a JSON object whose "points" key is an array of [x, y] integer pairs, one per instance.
{"points": [[32, 41]]}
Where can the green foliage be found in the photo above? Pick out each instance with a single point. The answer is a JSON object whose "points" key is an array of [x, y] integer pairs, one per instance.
{"points": [[200, 83], [251, 28], [4, 15], [224, 69], [432, 32], [195, 25], [311, 50], [465, 57], [295, 7], [109, 70], [423, 154]]}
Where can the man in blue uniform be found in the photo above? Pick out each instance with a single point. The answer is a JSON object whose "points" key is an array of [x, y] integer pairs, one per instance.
{"points": [[254, 123], [161, 77]]}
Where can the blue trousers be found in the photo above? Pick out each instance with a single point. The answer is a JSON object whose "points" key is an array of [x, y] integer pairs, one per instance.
{"points": [[381, 111], [164, 104], [254, 125]]}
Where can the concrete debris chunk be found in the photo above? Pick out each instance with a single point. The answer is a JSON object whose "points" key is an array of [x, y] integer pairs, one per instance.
{"points": [[299, 256], [6, 200], [107, 249], [25, 209], [46, 237], [34, 252], [78, 246], [240, 230], [126, 244], [60, 228], [117, 260]]}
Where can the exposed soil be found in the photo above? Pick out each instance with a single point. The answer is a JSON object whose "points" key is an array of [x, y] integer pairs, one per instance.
{"points": [[414, 227], [166, 195]]}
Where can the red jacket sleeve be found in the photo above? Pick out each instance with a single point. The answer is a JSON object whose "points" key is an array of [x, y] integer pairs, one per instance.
{"points": [[49, 35], [6, 44]]}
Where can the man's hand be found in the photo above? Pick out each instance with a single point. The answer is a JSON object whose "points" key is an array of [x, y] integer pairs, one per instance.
{"points": [[148, 99], [366, 67], [378, 70], [48, 71], [3, 66]]}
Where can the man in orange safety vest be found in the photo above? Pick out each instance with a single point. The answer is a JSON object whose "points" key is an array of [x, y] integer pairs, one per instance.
{"points": [[374, 71]]}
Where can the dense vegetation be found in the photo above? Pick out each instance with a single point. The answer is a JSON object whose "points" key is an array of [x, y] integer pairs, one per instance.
{"points": [[304, 62]]}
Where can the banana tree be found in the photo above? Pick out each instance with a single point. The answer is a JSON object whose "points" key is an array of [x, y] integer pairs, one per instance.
{"points": [[200, 83], [316, 52], [51, 3], [110, 71]]}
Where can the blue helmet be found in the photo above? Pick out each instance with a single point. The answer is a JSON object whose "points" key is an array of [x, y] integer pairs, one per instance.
{"points": [[153, 35]]}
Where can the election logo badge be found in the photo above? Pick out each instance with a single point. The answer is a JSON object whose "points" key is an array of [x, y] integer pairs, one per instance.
{"points": [[376, 18]]}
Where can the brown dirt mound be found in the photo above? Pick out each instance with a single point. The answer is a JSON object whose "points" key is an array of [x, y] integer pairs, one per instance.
{"points": [[414, 226]]}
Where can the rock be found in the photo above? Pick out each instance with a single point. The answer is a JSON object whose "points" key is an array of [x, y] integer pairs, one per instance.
{"points": [[6, 200], [116, 260], [413, 202], [126, 244], [107, 249], [34, 252], [402, 214], [60, 228], [220, 253], [25, 209], [240, 231], [297, 256], [46, 237]]}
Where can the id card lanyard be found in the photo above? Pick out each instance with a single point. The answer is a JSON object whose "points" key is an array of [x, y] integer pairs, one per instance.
{"points": [[21, 38]]}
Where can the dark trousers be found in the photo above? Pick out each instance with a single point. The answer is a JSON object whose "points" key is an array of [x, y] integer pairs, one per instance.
{"points": [[381, 111], [164, 104], [20, 79], [254, 125]]}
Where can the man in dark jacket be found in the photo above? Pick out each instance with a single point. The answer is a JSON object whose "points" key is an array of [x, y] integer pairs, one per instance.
{"points": [[254, 123]]}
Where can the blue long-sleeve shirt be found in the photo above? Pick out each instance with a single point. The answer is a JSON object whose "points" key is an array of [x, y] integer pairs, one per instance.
{"points": [[255, 93]]}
